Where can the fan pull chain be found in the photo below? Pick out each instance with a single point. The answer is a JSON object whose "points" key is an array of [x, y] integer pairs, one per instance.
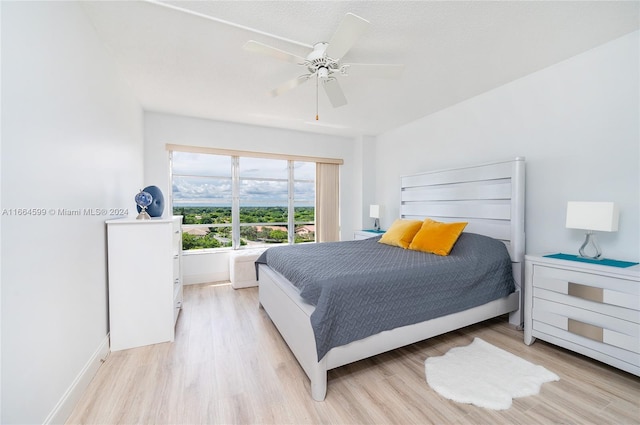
{"points": [[317, 97]]}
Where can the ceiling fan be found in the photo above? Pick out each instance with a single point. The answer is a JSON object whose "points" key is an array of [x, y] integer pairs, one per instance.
{"points": [[324, 62]]}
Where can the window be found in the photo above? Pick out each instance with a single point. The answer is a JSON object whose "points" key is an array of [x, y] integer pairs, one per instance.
{"points": [[304, 195], [233, 201]]}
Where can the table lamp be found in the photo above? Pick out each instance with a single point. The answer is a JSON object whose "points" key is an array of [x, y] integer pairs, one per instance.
{"points": [[374, 212], [592, 216]]}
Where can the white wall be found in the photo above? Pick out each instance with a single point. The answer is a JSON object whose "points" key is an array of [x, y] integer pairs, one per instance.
{"points": [[577, 124], [71, 138], [161, 129], [366, 150]]}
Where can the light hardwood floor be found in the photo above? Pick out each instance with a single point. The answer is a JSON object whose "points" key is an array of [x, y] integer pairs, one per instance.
{"points": [[229, 365]]}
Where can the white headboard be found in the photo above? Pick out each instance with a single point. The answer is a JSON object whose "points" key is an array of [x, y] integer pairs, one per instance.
{"points": [[490, 197]]}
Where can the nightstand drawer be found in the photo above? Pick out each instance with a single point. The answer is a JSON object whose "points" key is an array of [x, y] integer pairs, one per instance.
{"points": [[624, 313], [591, 287], [627, 356], [589, 324]]}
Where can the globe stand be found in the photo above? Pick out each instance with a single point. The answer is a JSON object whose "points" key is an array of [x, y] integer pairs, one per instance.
{"points": [[144, 215]]}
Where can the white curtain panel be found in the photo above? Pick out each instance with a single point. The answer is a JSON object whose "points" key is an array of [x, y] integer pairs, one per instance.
{"points": [[327, 202]]}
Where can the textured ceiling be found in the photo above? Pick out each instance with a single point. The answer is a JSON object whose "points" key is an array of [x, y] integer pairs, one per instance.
{"points": [[186, 57]]}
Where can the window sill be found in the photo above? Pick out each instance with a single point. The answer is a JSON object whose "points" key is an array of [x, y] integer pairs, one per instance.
{"points": [[207, 251]]}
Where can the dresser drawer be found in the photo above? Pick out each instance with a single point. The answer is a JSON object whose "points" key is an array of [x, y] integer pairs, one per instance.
{"points": [[176, 269]]}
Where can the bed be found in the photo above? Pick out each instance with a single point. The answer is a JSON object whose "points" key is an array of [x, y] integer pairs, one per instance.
{"points": [[489, 197]]}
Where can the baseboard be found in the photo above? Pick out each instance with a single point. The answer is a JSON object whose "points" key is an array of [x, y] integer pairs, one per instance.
{"points": [[68, 401]]}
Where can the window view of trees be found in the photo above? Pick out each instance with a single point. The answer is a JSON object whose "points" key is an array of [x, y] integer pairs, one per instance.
{"points": [[196, 236], [204, 185]]}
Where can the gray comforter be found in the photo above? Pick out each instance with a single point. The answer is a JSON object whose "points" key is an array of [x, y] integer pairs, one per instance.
{"points": [[361, 288]]}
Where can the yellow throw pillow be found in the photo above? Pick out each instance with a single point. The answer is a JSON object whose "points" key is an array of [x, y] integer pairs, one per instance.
{"points": [[401, 233], [437, 238]]}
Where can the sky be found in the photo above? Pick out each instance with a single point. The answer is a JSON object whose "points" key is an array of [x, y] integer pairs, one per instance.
{"points": [[203, 179]]}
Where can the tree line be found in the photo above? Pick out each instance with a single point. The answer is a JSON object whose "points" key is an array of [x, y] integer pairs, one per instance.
{"points": [[217, 237], [222, 215]]}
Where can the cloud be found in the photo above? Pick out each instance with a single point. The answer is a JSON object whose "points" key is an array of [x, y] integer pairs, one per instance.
{"points": [[203, 179]]}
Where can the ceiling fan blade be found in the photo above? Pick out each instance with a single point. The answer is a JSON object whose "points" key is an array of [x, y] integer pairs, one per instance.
{"points": [[373, 70], [257, 47], [349, 30], [334, 92], [289, 85]]}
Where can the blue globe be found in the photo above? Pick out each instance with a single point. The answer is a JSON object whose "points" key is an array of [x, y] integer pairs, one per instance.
{"points": [[143, 199]]}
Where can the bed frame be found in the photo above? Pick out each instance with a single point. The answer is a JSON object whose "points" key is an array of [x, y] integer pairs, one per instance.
{"points": [[490, 197]]}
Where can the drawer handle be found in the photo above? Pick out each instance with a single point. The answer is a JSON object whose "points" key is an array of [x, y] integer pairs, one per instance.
{"points": [[586, 330], [585, 292]]}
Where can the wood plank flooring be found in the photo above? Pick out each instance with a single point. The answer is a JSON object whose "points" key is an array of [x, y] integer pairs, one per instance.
{"points": [[229, 365]]}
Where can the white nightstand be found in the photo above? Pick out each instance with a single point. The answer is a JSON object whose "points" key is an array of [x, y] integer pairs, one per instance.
{"points": [[588, 308], [366, 234]]}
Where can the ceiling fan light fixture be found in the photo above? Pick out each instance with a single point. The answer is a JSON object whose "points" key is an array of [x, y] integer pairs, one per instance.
{"points": [[323, 73]]}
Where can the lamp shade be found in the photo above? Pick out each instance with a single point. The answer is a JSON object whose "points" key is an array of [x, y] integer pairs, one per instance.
{"points": [[602, 216], [374, 211]]}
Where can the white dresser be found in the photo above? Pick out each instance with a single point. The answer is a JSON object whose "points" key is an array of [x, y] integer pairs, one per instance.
{"points": [[587, 308], [145, 280]]}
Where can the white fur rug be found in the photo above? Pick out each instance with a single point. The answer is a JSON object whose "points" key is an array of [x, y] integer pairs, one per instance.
{"points": [[484, 375]]}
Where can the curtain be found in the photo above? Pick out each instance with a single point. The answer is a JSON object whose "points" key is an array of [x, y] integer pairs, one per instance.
{"points": [[327, 202]]}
